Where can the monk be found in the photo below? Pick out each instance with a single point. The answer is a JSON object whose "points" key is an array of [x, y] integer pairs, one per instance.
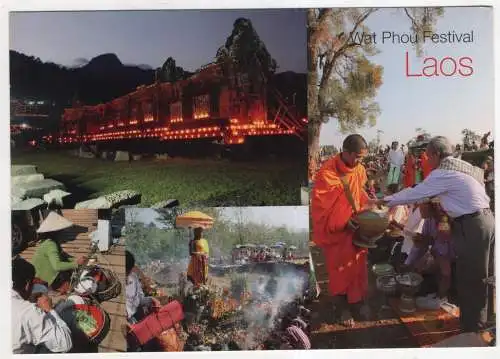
{"points": [[331, 213], [409, 179]]}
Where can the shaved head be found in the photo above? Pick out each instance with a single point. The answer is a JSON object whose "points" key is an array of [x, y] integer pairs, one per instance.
{"points": [[354, 149], [354, 144]]}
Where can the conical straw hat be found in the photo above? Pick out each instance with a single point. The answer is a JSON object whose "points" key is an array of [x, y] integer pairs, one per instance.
{"points": [[54, 223]]}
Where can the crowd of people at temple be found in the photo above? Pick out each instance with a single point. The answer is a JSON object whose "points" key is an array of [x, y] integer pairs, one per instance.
{"points": [[441, 222]]}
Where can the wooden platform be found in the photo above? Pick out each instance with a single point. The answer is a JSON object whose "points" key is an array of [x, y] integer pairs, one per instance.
{"points": [[79, 245], [428, 327]]}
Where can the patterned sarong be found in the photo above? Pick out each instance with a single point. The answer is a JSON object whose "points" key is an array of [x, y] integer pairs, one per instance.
{"points": [[393, 176], [198, 269]]}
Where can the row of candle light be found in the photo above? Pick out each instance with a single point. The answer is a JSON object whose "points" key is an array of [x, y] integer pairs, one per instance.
{"points": [[201, 115], [177, 135]]}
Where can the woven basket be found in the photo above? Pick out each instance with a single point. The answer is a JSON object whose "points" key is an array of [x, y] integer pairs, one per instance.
{"points": [[112, 287]]}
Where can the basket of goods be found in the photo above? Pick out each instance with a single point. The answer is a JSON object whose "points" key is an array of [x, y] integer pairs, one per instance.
{"points": [[101, 283], [370, 226], [157, 322], [87, 321]]}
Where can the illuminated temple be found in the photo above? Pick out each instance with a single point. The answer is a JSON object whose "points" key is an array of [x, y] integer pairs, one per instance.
{"points": [[209, 105]]}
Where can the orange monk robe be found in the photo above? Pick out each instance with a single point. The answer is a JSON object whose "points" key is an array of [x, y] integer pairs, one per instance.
{"points": [[330, 212], [409, 179], [424, 163]]}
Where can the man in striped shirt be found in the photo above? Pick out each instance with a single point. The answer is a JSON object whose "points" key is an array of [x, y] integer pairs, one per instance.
{"points": [[459, 186]]}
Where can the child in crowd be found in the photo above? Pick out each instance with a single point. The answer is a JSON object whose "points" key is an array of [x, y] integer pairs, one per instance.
{"points": [[371, 190], [436, 235], [398, 215]]}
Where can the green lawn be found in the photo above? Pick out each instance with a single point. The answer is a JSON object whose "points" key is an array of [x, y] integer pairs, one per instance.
{"points": [[207, 182]]}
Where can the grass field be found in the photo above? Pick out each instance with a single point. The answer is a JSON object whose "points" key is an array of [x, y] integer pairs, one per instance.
{"points": [[207, 182]]}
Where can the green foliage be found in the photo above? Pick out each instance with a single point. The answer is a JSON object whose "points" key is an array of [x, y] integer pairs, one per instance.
{"points": [[470, 136], [212, 182], [151, 243], [347, 81]]}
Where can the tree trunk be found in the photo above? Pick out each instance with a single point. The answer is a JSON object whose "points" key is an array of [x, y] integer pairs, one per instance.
{"points": [[314, 148], [313, 114], [314, 126]]}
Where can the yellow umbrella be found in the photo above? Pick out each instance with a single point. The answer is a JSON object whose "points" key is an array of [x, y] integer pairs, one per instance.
{"points": [[194, 219]]}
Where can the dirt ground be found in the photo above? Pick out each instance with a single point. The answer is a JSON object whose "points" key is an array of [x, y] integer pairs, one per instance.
{"points": [[385, 330]]}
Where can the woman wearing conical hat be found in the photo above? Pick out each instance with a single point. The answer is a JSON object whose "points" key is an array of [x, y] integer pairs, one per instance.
{"points": [[197, 271], [53, 266]]}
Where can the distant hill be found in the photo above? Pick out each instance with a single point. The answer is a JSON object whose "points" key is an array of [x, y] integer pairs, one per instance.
{"points": [[101, 79]]}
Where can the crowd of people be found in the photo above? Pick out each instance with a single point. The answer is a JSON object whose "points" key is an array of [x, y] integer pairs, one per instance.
{"points": [[440, 222]]}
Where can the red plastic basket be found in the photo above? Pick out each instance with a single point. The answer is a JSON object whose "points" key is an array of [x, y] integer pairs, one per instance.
{"points": [[101, 317], [157, 322]]}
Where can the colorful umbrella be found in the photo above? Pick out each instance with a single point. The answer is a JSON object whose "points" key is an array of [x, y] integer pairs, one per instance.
{"points": [[194, 219]]}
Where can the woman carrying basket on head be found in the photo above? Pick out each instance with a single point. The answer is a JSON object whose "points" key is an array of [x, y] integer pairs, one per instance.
{"points": [[53, 266], [197, 271]]}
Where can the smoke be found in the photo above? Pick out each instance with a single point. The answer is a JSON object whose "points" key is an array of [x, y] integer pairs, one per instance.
{"points": [[166, 272], [271, 293]]}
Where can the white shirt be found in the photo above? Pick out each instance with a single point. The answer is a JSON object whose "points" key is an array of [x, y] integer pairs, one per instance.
{"points": [[31, 327], [396, 158], [135, 295], [399, 214], [413, 227], [458, 193]]}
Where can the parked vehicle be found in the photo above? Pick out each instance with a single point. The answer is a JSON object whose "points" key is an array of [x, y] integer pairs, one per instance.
{"points": [[27, 216]]}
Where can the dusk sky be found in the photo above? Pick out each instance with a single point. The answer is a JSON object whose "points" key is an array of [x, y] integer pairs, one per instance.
{"points": [[150, 37], [442, 106]]}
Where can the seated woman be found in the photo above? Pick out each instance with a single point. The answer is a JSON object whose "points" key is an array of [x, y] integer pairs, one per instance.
{"points": [[137, 304], [53, 266], [197, 271], [436, 234]]}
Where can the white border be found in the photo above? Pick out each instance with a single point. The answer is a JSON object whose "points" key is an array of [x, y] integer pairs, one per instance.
{"points": [[46, 5]]}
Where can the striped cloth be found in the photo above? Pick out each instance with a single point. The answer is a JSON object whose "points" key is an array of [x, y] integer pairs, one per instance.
{"points": [[298, 339], [458, 165]]}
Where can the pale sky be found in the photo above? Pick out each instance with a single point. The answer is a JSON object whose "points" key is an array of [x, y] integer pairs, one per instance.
{"points": [[292, 217], [441, 106], [144, 215]]}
